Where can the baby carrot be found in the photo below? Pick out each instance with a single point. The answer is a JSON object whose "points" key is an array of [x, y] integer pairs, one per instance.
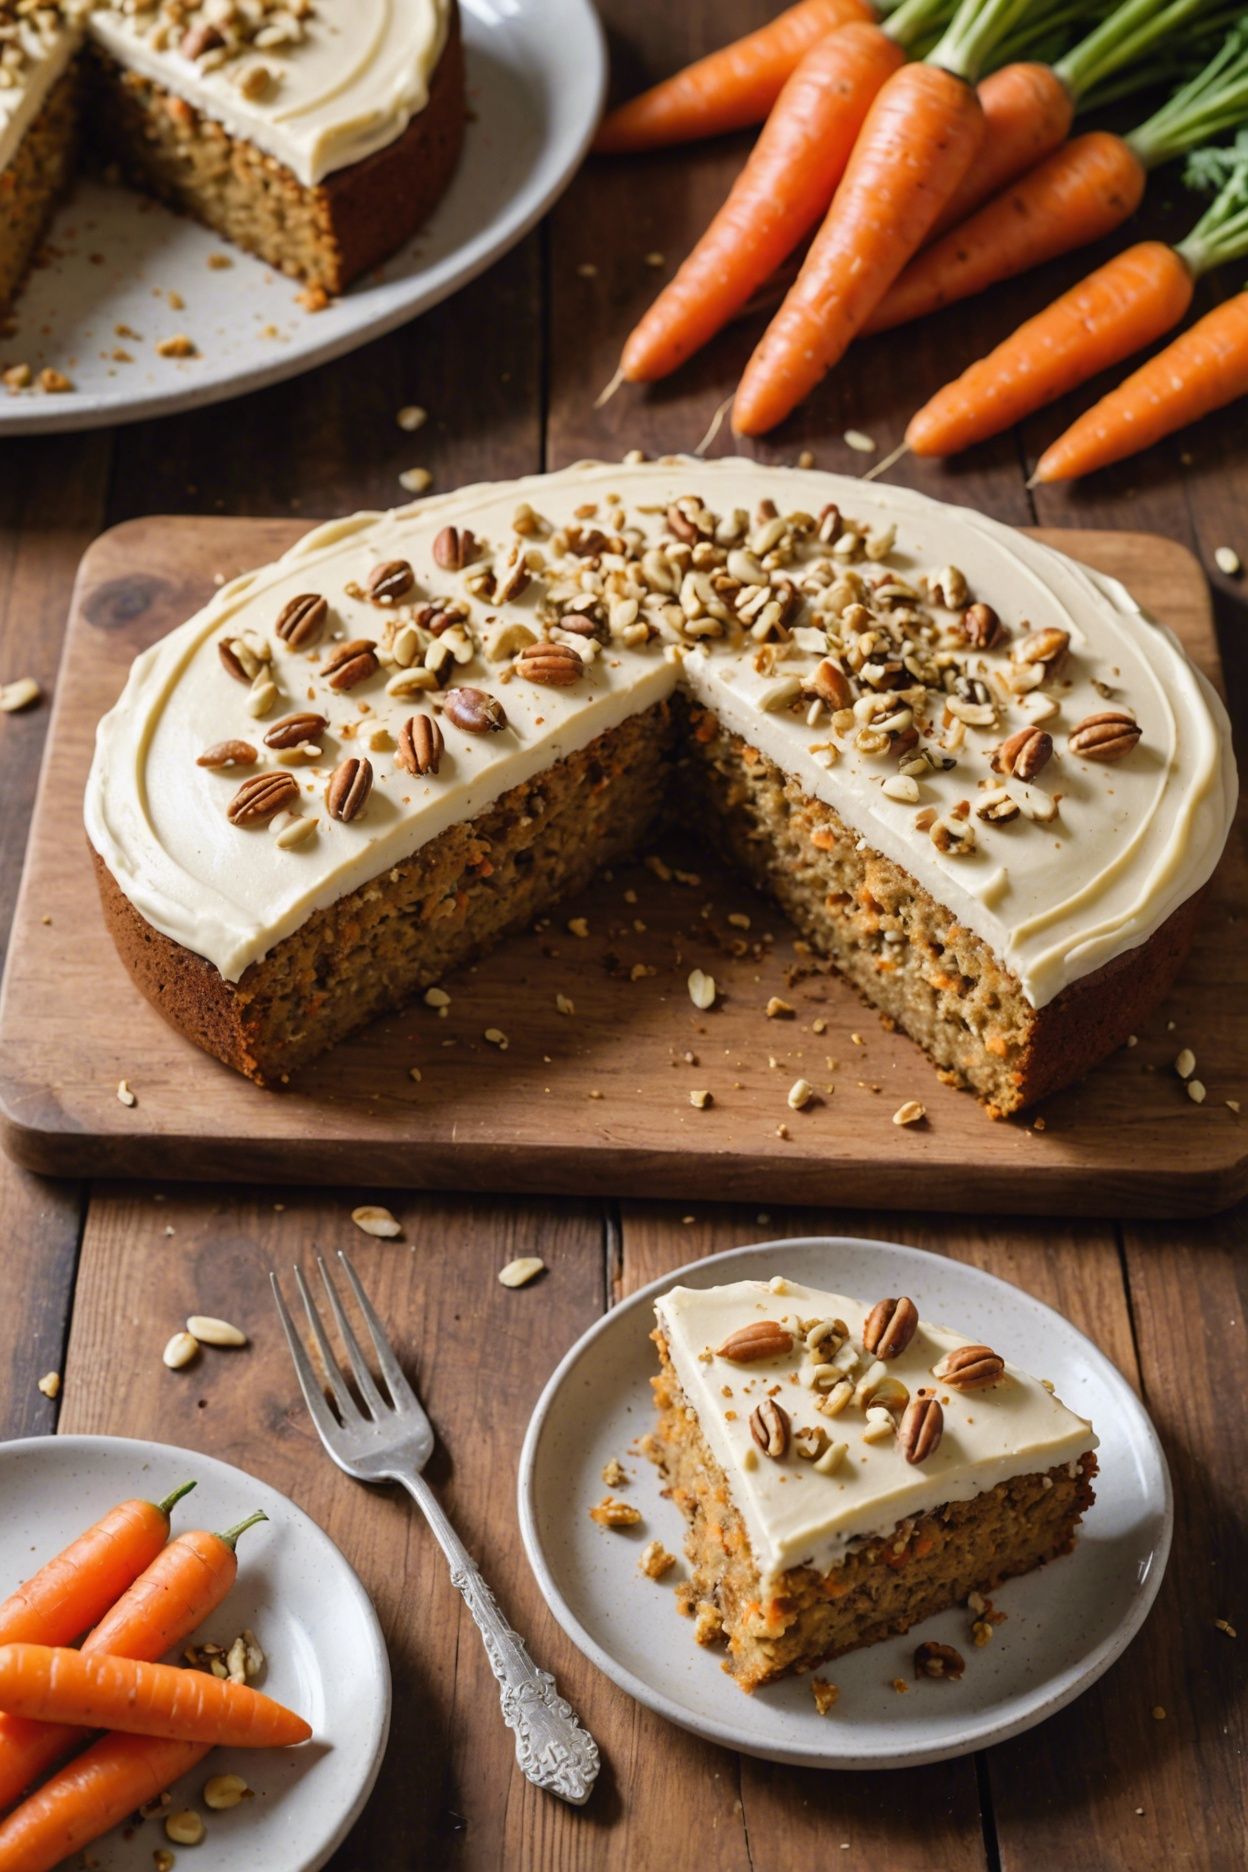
{"points": [[1205, 368], [97, 1790], [97, 1691], [70, 1592], [730, 88], [186, 1581], [781, 192]]}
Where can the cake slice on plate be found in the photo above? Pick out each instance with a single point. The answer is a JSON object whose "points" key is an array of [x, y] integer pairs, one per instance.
{"points": [[848, 1469]]}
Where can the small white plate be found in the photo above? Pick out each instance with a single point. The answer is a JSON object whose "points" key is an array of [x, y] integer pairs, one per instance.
{"points": [[325, 1655], [536, 81], [1066, 1623]]}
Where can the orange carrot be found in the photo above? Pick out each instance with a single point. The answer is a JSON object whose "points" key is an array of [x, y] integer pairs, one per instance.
{"points": [[782, 191], [96, 1791], [1028, 112], [730, 88], [1080, 193], [1204, 369], [98, 1691], [186, 1581], [70, 1592], [917, 143]]}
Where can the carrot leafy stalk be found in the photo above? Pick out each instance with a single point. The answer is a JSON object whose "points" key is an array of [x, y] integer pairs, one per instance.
{"points": [[1202, 370], [728, 89], [96, 1690], [186, 1582], [919, 138], [96, 1791], [1079, 194], [73, 1590], [1029, 107]]}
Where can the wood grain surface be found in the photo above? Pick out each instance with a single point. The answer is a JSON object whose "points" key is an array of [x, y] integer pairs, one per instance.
{"points": [[599, 1101], [91, 1283]]}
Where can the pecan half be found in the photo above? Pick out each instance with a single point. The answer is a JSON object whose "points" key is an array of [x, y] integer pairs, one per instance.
{"points": [[831, 685], [199, 39], [227, 754], [474, 710], [439, 616], [1047, 647], [938, 1660], [1024, 753], [981, 626], [302, 619], [890, 1326], [259, 798], [454, 548], [1109, 736], [761, 1339], [292, 729], [922, 1427], [555, 665], [420, 745], [969, 1367], [350, 663], [389, 581], [769, 1427], [349, 787]]}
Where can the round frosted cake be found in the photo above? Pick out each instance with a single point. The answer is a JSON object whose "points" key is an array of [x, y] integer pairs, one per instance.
{"points": [[318, 135], [980, 780]]}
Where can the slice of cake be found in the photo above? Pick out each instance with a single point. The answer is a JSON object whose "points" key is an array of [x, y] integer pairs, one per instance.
{"points": [[317, 135], [848, 1469], [981, 782]]}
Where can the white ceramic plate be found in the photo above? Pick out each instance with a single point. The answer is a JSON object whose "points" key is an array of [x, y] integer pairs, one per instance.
{"points": [[536, 81], [325, 1653], [1066, 1623]]}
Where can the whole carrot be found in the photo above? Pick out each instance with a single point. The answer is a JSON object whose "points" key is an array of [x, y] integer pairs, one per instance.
{"points": [[73, 1590], [186, 1581], [1080, 193], [728, 89], [97, 1691], [919, 138], [783, 190], [96, 1791], [1204, 369]]}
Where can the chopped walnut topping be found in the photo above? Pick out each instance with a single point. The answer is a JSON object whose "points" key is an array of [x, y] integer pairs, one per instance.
{"points": [[655, 1560], [611, 1513]]}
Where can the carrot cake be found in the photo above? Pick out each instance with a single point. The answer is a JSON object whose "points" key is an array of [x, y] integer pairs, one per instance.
{"points": [[979, 779], [848, 1469], [317, 134]]}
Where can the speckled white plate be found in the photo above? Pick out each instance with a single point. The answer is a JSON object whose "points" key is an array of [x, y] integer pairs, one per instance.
{"points": [[325, 1655], [1066, 1623], [536, 80]]}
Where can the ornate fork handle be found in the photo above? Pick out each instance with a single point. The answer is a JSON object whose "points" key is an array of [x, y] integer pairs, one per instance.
{"points": [[552, 1748]]}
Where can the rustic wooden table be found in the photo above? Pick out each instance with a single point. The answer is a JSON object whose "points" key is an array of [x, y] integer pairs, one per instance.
{"points": [[92, 1279]]}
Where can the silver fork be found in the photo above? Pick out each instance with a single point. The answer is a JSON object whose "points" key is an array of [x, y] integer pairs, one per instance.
{"points": [[391, 1440]]}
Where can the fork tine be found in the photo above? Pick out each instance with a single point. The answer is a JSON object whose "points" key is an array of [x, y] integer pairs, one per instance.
{"points": [[393, 1373], [359, 1364], [313, 1396], [347, 1407]]}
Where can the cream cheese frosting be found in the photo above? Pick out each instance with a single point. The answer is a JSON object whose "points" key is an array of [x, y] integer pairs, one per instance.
{"points": [[1095, 859], [793, 1514], [318, 87]]}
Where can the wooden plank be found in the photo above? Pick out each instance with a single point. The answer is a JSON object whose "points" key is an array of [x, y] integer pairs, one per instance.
{"points": [[528, 1120], [479, 1354]]}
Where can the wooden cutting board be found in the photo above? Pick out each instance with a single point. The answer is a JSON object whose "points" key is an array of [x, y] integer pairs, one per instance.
{"points": [[596, 1101]]}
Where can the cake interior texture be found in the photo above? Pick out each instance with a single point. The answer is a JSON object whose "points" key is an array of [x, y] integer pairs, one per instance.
{"points": [[883, 1586], [35, 179], [453, 899]]}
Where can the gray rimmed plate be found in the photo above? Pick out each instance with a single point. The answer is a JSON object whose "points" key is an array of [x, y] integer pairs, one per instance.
{"points": [[324, 1650], [1066, 1624]]}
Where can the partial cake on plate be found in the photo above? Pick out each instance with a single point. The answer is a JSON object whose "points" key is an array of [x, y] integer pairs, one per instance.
{"points": [[979, 779], [847, 1469], [317, 134]]}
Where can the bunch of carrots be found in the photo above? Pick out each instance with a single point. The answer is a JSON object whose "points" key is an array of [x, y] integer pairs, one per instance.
{"points": [[134, 1593], [919, 180]]}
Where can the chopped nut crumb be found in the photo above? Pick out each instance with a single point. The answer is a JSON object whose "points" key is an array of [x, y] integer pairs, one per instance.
{"points": [[614, 1474], [416, 480], [19, 694], [55, 382], [373, 1219], [411, 418], [124, 1094], [800, 1094], [778, 1009], [938, 1660], [50, 1384], [1227, 560], [824, 1693], [578, 926], [610, 1513], [1185, 1064], [862, 444], [520, 1272], [655, 1560], [179, 346], [1196, 1091], [702, 990], [910, 1113], [1224, 1625]]}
